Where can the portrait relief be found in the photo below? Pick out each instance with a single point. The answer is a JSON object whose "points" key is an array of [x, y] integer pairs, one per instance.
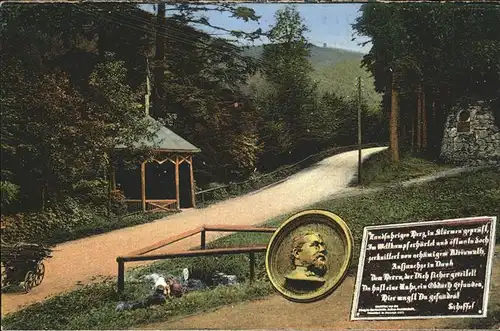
{"points": [[308, 257]]}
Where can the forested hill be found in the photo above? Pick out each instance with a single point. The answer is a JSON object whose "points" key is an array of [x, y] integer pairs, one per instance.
{"points": [[320, 56], [336, 70]]}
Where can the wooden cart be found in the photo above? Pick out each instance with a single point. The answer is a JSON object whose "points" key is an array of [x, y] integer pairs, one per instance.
{"points": [[22, 264]]}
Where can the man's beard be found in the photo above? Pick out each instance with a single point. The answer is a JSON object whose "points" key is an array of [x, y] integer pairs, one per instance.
{"points": [[318, 266]]}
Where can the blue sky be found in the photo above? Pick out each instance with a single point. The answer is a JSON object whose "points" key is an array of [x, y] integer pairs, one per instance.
{"points": [[328, 23]]}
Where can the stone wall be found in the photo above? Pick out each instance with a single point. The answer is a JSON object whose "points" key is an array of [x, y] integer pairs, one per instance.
{"points": [[471, 136]]}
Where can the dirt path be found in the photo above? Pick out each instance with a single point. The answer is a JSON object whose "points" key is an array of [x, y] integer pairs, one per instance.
{"points": [[275, 312], [82, 260]]}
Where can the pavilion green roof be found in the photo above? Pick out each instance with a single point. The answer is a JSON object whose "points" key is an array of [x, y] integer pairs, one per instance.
{"points": [[165, 139]]}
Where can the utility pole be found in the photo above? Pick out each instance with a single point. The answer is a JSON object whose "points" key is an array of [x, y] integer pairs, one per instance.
{"points": [[393, 124], [359, 130]]}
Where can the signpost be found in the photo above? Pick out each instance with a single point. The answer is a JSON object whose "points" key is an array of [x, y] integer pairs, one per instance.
{"points": [[425, 270]]}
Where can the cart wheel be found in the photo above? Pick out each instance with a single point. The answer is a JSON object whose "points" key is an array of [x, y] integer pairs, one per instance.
{"points": [[29, 281], [39, 274]]}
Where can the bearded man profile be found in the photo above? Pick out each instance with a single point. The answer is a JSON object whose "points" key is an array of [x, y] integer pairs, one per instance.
{"points": [[309, 258]]}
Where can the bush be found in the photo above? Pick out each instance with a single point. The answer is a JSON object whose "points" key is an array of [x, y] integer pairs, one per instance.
{"points": [[91, 192], [41, 227], [118, 204], [9, 193]]}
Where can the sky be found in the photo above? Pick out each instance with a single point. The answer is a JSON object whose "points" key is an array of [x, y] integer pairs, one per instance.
{"points": [[329, 24]]}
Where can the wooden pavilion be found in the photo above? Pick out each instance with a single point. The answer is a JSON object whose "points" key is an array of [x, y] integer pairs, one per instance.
{"points": [[167, 147]]}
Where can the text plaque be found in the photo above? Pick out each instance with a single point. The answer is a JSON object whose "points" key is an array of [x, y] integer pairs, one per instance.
{"points": [[425, 270]]}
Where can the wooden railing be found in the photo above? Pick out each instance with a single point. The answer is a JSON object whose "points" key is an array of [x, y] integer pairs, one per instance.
{"points": [[138, 255]]}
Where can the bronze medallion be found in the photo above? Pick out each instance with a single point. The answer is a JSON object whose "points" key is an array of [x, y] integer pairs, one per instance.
{"points": [[308, 256]]}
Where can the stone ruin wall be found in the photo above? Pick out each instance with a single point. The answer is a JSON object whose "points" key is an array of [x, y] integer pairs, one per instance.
{"points": [[479, 141]]}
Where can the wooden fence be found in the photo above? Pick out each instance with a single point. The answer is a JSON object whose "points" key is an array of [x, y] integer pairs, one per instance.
{"points": [[138, 255]]}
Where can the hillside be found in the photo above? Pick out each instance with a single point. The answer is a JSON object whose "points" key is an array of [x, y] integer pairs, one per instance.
{"points": [[342, 79], [320, 56], [335, 70]]}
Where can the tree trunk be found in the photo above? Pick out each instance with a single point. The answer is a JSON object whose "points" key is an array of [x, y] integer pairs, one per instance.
{"points": [[42, 197], [393, 127], [158, 95], [424, 120], [438, 125], [413, 124], [419, 120], [101, 40]]}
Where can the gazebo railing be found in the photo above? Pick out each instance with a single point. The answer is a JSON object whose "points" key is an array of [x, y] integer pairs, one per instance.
{"points": [[135, 205]]}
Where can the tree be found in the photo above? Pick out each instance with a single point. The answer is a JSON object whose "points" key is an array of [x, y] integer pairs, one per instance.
{"points": [[203, 84], [291, 110], [62, 119], [446, 51]]}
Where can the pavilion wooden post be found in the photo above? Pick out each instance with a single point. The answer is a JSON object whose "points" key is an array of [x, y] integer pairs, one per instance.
{"points": [[111, 185], [143, 185], [177, 193], [193, 193]]}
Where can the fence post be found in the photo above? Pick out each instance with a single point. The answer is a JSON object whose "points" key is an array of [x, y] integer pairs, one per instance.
{"points": [[121, 275], [203, 239], [203, 199], [252, 267]]}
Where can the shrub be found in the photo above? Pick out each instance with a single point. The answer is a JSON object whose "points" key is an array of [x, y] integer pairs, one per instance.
{"points": [[91, 192], [9, 193], [118, 204], [67, 221], [36, 227]]}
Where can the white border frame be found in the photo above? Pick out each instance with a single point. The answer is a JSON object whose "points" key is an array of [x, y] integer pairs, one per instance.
{"points": [[489, 262]]}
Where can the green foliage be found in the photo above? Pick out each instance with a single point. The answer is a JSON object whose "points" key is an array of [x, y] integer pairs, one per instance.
{"points": [[9, 193], [68, 220], [91, 192], [289, 110], [341, 79], [42, 227], [202, 91], [459, 59], [61, 121], [379, 170], [118, 204]]}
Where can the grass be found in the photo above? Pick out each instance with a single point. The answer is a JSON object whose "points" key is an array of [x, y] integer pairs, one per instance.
{"points": [[379, 170], [92, 307]]}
